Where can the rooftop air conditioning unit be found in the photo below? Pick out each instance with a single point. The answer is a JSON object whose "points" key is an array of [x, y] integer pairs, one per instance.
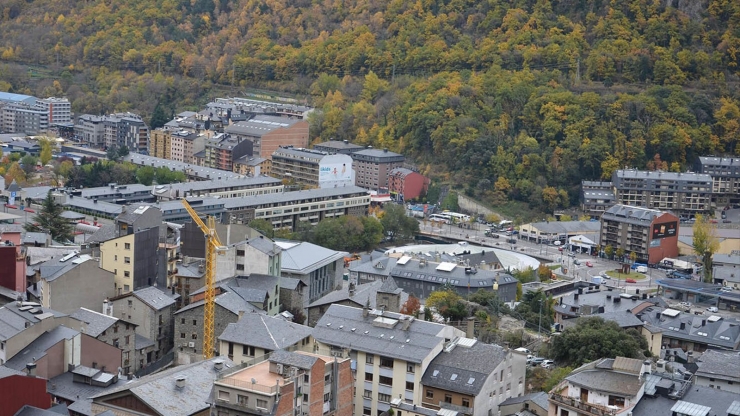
{"points": [[280, 369], [191, 345]]}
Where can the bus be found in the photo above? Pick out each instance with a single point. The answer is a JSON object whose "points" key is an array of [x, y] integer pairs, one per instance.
{"points": [[459, 217], [443, 218]]}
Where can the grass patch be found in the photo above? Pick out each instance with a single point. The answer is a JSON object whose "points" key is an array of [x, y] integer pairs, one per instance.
{"points": [[554, 266], [634, 275]]}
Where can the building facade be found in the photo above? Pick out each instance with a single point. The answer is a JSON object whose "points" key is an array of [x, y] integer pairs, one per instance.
{"points": [[686, 194], [406, 184], [725, 173], [267, 133], [651, 234], [372, 167], [160, 144], [59, 109], [223, 149], [253, 166], [596, 197], [185, 144], [90, 129]]}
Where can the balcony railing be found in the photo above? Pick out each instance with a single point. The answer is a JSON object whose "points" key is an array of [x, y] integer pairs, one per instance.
{"points": [[457, 408], [592, 409], [245, 385]]}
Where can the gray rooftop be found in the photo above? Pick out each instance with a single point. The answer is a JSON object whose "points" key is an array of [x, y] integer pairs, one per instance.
{"points": [[142, 342], [249, 160], [159, 392], [97, 323], [306, 155], [260, 125], [539, 398], [567, 227], [363, 294], [726, 258], [214, 185], [289, 283], [65, 387], [346, 327], [291, 197], [381, 266], [631, 214], [607, 381], [34, 411], [464, 369], [105, 232], [38, 347], [719, 161], [719, 364], [52, 269], [339, 145], [303, 257], [458, 276], [201, 172], [155, 298], [720, 401], [723, 333], [589, 302], [230, 301], [293, 359], [266, 332], [265, 245], [375, 153], [671, 176]]}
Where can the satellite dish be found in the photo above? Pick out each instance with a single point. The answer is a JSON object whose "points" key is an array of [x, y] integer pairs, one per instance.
{"points": [[254, 381]]}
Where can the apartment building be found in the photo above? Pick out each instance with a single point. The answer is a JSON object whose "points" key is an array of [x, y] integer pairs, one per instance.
{"points": [[253, 166], [286, 384], [59, 109], [256, 335], [267, 133], [193, 171], [596, 197], [391, 351], [725, 173], [127, 130], [184, 145], [222, 149], [719, 370], [372, 167], [608, 386], [405, 184], [116, 332], [686, 194], [24, 118], [318, 267], [160, 144], [651, 234], [312, 169], [235, 108], [90, 129]]}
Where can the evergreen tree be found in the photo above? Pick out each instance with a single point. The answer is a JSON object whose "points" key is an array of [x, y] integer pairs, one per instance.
{"points": [[159, 117], [49, 220]]}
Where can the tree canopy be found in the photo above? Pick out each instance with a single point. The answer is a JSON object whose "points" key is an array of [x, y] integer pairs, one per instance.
{"points": [[594, 338], [49, 220]]}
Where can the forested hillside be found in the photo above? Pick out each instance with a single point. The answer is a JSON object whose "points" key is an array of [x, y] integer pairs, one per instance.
{"points": [[506, 99]]}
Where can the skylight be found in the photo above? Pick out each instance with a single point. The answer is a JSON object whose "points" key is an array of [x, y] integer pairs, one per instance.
{"points": [[454, 377]]}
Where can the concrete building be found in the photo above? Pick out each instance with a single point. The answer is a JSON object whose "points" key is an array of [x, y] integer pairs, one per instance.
{"points": [[338, 146], [127, 130], [372, 167], [59, 109], [255, 336], [392, 352], [471, 377], [238, 108], [312, 169], [422, 277], [24, 118], [160, 144], [253, 166], [596, 197], [690, 332], [267, 133], [382, 295], [405, 184], [686, 194], [534, 403], [292, 294], [119, 333], [185, 144], [547, 232], [608, 305], [19, 326], [223, 149], [179, 391], [319, 268], [651, 234], [153, 313], [602, 387], [725, 174], [90, 129], [259, 290], [719, 370], [286, 384], [59, 282]]}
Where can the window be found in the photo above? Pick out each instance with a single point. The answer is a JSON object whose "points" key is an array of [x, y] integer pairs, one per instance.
{"points": [[368, 394], [182, 335], [305, 378], [388, 381], [127, 274], [466, 402], [410, 385], [448, 398], [126, 288], [262, 403], [194, 336], [616, 401], [242, 400], [115, 329], [430, 394], [130, 303], [368, 376], [366, 411], [126, 339], [223, 395], [195, 322], [385, 398], [248, 350], [369, 359], [182, 321], [127, 260], [410, 367], [240, 267], [127, 246], [386, 362]]}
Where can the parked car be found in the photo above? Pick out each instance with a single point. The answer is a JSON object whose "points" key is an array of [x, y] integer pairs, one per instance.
{"points": [[685, 304], [571, 254], [548, 364], [631, 281], [604, 276], [726, 289], [712, 309], [589, 264], [526, 351], [577, 262], [556, 243], [536, 361]]}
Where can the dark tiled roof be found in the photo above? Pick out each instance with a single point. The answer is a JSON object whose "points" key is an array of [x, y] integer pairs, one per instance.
{"points": [[37, 349], [293, 359], [155, 298], [717, 364], [464, 369], [264, 332], [607, 381], [97, 323]]}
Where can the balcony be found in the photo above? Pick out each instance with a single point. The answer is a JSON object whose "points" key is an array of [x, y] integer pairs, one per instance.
{"points": [[574, 403], [460, 409]]}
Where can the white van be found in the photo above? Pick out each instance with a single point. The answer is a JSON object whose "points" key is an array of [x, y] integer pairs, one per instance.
{"points": [[641, 269], [524, 350]]}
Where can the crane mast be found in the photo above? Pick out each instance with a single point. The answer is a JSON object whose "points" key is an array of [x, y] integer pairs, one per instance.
{"points": [[213, 247]]}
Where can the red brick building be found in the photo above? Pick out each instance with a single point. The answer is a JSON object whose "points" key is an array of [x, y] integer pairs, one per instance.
{"points": [[407, 183], [19, 389], [13, 260], [651, 234]]}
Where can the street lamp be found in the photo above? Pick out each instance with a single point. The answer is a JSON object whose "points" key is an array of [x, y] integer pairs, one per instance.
{"points": [[539, 327]]}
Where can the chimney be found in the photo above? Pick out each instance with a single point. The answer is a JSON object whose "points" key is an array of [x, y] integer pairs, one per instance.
{"points": [[365, 312], [580, 290], [703, 322], [470, 330], [180, 382], [31, 368], [646, 367], [218, 365], [241, 315]]}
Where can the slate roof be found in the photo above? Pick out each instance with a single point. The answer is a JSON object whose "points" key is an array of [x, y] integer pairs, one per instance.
{"points": [[104, 233], [722, 333], [142, 342], [726, 259], [717, 364], [265, 245], [294, 359], [264, 332], [567, 227], [290, 283], [607, 381], [596, 299], [464, 369], [159, 392], [539, 398], [336, 328], [623, 319], [30, 238], [381, 266], [252, 288], [457, 277], [155, 298], [7, 372], [53, 269], [10, 323], [304, 257], [363, 293], [65, 387], [631, 214], [34, 411], [97, 323], [227, 300], [718, 400], [38, 347]]}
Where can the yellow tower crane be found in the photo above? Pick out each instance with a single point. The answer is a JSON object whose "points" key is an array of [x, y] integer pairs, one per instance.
{"points": [[213, 247]]}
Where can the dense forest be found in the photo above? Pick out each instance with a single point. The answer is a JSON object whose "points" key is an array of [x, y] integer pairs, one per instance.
{"points": [[507, 100]]}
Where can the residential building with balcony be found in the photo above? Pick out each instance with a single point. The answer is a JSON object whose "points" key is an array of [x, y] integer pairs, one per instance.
{"points": [[267, 133], [193, 171], [253, 166], [127, 130], [372, 167], [725, 173], [185, 144], [223, 149], [257, 335], [240, 187], [392, 352], [596, 197], [651, 234], [160, 144], [471, 377], [236, 108], [286, 384], [605, 387], [685, 194], [311, 168], [90, 129], [59, 109], [24, 118]]}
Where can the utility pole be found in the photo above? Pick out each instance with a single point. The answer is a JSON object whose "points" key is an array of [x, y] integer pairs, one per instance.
{"points": [[539, 327]]}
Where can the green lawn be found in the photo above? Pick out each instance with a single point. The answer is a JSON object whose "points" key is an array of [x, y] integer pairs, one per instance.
{"points": [[634, 275]]}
